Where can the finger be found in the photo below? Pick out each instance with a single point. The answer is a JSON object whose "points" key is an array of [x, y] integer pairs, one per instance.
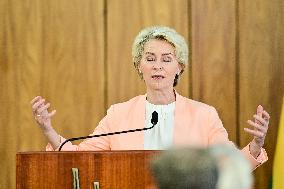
{"points": [[254, 133], [35, 110], [41, 109], [257, 126], [37, 104], [266, 115], [51, 114], [35, 99], [259, 110], [261, 120]]}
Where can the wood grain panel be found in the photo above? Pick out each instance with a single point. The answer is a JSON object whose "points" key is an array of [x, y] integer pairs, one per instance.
{"points": [[55, 49], [10, 116], [124, 20], [119, 169], [261, 70], [73, 65], [214, 58]]}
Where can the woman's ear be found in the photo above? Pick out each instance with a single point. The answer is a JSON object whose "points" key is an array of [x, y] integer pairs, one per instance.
{"points": [[139, 69], [180, 68]]}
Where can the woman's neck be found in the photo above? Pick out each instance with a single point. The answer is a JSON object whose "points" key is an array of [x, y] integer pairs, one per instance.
{"points": [[158, 97]]}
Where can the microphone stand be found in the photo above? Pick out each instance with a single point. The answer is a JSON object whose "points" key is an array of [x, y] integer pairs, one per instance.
{"points": [[154, 121]]}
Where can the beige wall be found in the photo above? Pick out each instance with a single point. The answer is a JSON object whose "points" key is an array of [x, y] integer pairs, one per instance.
{"points": [[77, 54]]}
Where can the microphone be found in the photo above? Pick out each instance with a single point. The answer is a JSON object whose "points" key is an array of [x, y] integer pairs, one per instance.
{"points": [[154, 121]]}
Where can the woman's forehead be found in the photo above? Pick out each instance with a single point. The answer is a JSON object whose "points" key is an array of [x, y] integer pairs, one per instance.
{"points": [[154, 46]]}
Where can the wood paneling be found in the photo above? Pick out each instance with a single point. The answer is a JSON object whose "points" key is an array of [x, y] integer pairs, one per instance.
{"points": [[119, 169], [214, 58], [124, 20], [261, 50], [54, 49]]}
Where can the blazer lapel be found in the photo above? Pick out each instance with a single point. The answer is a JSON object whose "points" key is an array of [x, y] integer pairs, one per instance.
{"points": [[138, 121], [179, 120]]}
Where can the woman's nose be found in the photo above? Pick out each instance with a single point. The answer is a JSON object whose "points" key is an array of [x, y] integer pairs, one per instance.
{"points": [[157, 65]]}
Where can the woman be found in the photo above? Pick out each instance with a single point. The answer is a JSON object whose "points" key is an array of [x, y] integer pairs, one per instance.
{"points": [[160, 55]]}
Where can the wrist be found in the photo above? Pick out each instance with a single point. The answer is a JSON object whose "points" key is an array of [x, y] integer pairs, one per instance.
{"points": [[255, 149], [47, 129]]}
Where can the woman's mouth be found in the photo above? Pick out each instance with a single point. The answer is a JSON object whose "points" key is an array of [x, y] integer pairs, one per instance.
{"points": [[158, 77]]}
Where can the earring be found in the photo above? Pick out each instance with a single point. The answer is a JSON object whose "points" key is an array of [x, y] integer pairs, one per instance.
{"points": [[140, 74]]}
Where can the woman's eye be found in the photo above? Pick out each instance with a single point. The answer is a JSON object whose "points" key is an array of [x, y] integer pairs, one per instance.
{"points": [[167, 59], [150, 59]]}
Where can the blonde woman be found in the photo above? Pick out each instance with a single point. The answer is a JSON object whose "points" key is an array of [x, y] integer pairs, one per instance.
{"points": [[160, 56]]}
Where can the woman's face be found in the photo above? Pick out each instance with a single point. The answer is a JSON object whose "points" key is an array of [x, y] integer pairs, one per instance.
{"points": [[159, 65]]}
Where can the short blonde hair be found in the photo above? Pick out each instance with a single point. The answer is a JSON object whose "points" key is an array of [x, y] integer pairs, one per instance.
{"points": [[162, 33]]}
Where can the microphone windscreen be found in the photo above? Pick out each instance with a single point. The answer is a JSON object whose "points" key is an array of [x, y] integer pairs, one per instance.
{"points": [[154, 119]]}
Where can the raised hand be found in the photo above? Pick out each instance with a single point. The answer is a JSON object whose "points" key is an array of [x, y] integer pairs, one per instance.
{"points": [[260, 127], [40, 112]]}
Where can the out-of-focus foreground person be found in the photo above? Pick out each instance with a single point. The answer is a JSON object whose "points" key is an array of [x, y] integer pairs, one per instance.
{"points": [[185, 169], [233, 168], [217, 167]]}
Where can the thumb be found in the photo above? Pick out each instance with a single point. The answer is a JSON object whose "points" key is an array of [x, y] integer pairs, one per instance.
{"points": [[51, 114]]}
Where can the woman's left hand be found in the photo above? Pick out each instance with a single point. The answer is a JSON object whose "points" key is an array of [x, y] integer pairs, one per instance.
{"points": [[260, 124]]}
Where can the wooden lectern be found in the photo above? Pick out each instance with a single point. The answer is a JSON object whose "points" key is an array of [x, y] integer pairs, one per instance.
{"points": [[96, 170]]}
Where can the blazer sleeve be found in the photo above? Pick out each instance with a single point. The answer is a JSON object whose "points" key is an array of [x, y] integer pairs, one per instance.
{"points": [[218, 134], [92, 144]]}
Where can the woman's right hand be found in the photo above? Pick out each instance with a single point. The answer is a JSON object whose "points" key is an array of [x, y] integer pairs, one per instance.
{"points": [[41, 114]]}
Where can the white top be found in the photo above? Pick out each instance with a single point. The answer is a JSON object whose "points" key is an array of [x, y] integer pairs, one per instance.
{"points": [[161, 136]]}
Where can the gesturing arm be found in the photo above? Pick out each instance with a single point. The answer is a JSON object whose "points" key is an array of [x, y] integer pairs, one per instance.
{"points": [[43, 119]]}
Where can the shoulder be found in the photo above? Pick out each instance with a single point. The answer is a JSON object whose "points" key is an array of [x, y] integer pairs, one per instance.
{"points": [[134, 102], [194, 105], [199, 112]]}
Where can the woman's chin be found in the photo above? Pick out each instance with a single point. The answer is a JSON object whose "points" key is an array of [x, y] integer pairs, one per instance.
{"points": [[156, 86]]}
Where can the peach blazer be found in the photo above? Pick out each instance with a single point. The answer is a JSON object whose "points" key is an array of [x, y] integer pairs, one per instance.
{"points": [[195, 124]]}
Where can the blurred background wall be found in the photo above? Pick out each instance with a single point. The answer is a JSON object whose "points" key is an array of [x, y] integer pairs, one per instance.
{"points": [[77, 54]]}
